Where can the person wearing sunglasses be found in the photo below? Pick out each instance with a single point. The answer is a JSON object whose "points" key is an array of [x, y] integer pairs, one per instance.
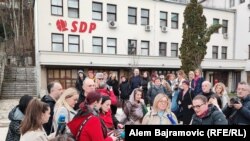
{"points": [[206, 114]]}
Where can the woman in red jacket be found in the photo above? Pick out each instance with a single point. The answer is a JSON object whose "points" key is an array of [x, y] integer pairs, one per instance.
{"points": [[105, 113], [87, 125]]}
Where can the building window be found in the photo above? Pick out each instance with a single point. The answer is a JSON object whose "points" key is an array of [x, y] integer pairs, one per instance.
{"points": [[57, 42], [97, 45], [242, 1], [73, 8], [111, 45], [224, 26], [174, 20], [111, 12], [215, 52], [74, 41], [223, 52], [216, 21], [97, 11], [132, 16], [144, 17], [145, 48], [132, 47], [57, 7], [174, 49], [163, 18], [163, 49], [232, 3]]}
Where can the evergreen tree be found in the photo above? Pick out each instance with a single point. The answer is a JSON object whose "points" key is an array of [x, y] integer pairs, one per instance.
{"points": [[195, 36]]}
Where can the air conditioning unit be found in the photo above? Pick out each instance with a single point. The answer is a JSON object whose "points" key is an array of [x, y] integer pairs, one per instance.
{"points": [[112, 24], [248, 6], [164, 29], [147, 28], [225, 35]]}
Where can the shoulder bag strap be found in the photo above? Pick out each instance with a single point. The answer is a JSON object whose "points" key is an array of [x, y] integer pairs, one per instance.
{"points": [[80, 129]]}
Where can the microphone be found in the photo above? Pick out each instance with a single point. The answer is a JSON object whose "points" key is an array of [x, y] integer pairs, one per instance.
{"points": [[61, 125]]}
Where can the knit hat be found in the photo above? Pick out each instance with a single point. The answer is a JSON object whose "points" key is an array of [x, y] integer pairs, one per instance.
{"points": [[105, 98]]}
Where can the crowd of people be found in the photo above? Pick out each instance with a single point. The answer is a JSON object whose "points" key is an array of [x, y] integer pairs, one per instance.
{"points": [[90, 107]]}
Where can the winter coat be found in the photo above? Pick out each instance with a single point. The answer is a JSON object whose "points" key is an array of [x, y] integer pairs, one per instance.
{"points": [[37, 135], [124, 88], [185, 114], [91, 131], [241, 116], [133, 110], [152, 118], [15, 117], [135, 82], [196, 85], [48, 126], [115, 86], [213, 117], [153, 91], [107, 118]]}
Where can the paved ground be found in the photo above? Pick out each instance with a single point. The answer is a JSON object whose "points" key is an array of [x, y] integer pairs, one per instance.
{"points": [[5, 107]]}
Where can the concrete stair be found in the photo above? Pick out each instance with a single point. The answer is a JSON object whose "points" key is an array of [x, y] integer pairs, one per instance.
{"points": [[19, 81]]}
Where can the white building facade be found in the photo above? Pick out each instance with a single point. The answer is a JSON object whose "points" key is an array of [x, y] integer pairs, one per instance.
{"points": [[111, 35]]}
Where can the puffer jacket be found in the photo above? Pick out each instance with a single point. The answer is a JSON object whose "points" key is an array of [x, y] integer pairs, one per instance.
{"points": [[15, 116], [213, 117]]}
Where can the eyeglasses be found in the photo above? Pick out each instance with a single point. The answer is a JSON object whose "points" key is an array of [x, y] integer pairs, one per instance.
{"points": [[197, 106], [100, 79], [163, 101]]}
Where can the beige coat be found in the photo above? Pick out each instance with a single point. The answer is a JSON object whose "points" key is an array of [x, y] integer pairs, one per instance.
{"points": [[152, 118], [37, 135]]}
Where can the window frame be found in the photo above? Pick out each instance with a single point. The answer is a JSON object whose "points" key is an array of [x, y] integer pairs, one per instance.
{"points": [[215, 19], [96, 45], [112, 13], [224, 26], [132, 16], [175, 21], [224, 52], [56, 6], [73, 8], [53, 42], [95, 11], [164, 50], [145, 17], [145, 48], [110, 46], [130, 48], [78, 44], [164, 20], [215, 51], [176, 51]]}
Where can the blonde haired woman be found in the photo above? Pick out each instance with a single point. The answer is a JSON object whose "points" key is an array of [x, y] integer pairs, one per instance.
{"points": [[161, 112], [220, 90], [64, 106]]}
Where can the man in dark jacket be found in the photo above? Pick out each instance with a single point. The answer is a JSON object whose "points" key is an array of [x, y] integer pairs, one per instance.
{"points": [[124, 88], [238, 110], [206, 115], [55, 90]]}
